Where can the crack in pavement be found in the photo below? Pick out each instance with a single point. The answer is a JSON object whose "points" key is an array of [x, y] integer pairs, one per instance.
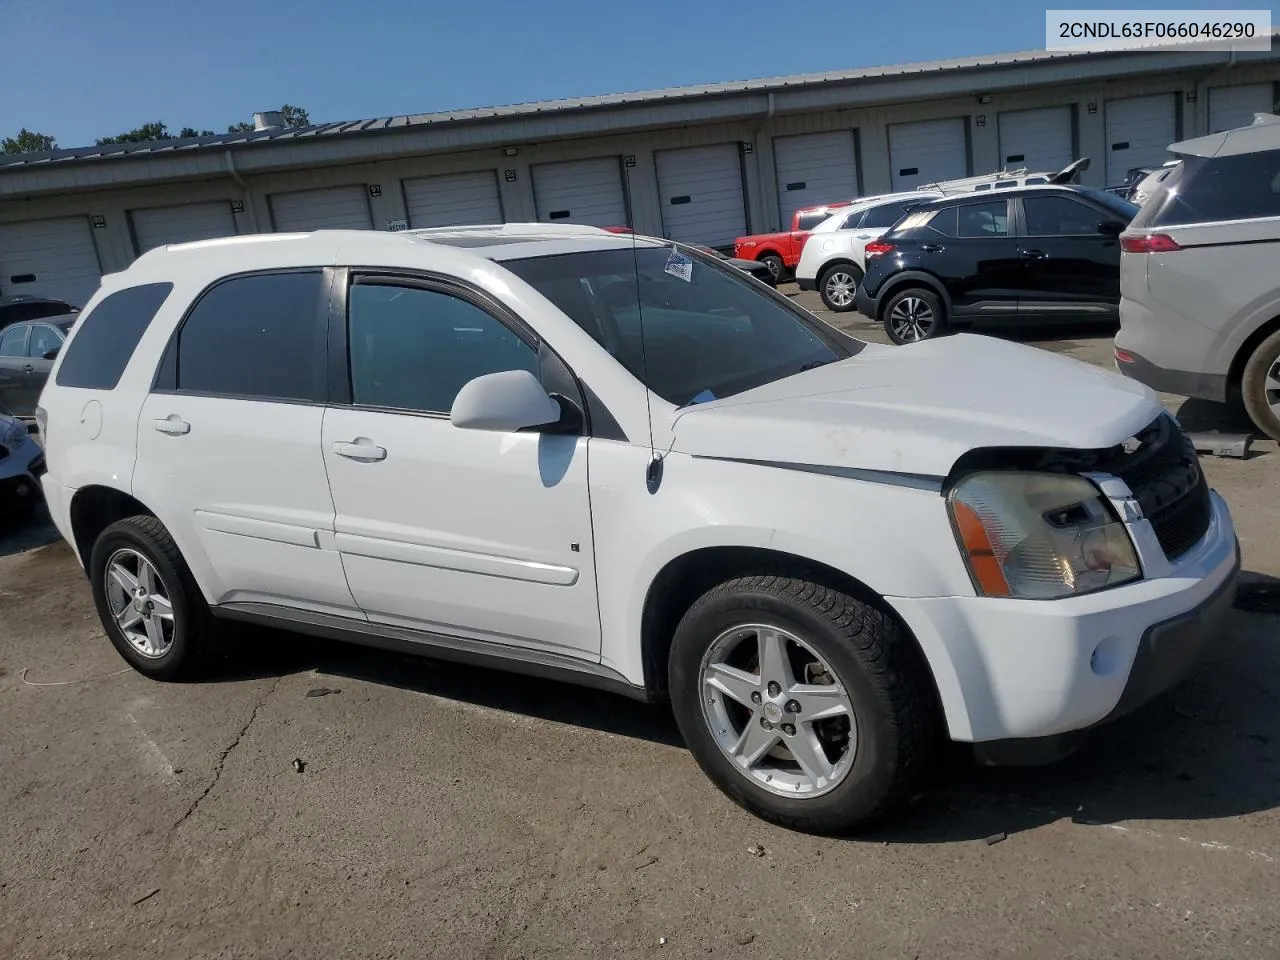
{"points": [[222, 758]]}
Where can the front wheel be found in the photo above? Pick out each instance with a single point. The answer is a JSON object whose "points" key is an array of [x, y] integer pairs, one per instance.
{"points": [[1260, 387], [913, 315], [837, 285], [804, 705]]}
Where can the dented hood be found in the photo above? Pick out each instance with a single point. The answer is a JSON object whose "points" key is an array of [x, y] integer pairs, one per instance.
{"points": [[916, 409]]}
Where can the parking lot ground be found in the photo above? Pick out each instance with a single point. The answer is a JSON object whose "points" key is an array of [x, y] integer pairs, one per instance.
{"points": [[448, 811]]}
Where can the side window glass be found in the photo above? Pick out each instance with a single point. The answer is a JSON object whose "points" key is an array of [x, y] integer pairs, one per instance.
{"points": [[885, 215], [1242, 186], [259, 337], [13, 342], [106, 338], [1060, 217], [44, 340], [414, 349], [944, 222], [810, 220], [989, 219]]}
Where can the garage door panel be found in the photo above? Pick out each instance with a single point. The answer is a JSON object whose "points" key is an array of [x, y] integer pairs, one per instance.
{"points": [[1039, 140], [581, 191], [927, 151], [159, 226], [1231, 107], [814, 168], [1139, 131], [452, 199], [700, 189], [329, 208], [49, 258]]}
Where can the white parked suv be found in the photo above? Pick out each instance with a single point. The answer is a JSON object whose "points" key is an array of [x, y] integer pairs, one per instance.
{"points": [[601, 459], [1199, 291], [833, 260]]}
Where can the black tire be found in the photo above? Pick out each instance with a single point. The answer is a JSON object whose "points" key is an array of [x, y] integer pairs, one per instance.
{"points": [[775, 265], [836, 278], [1263, 405], [918, 302], [193, 628], [879, 668]]}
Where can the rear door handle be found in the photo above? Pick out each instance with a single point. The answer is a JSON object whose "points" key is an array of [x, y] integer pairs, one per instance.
{"points": [[1033, 254], [361, 448], [28, 368], [173, 425], [930, 247]]}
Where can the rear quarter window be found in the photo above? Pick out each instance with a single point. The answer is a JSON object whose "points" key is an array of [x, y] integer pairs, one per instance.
{"points": [[1245, 186], [108, 335]]}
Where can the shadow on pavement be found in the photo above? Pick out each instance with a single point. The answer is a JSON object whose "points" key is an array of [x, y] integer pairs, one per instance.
{"points": [[1208, 750], [36, 531]]}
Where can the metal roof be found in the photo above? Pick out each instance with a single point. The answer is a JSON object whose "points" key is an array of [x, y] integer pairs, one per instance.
{"points": [[543, 108]]}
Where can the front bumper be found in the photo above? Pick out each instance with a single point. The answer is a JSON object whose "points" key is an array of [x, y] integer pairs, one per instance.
{"points": [[1021, 669], [865, 303]]}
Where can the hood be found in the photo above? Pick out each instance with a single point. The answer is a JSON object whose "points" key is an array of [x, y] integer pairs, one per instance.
{"points": [[915, 409]]}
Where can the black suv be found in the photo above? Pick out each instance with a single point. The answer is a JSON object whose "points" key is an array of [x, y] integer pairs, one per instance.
{"points": [[1048, 252]]}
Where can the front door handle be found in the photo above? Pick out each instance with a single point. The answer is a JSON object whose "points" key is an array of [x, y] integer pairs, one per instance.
{"points": [[1033, 254], [173, 425], [28, 368], [361, 448], [930, 247]]}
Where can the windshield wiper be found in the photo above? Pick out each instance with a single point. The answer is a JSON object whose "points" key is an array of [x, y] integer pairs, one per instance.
{"points": [[813, 364]]}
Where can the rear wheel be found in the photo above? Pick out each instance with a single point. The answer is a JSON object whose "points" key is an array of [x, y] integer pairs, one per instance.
{"points": [[914, 314], [147, 600], [837, 284], [775, 265], [804, 705], [1260, 387]]}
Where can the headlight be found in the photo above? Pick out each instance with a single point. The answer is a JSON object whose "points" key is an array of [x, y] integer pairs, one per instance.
{"points": [[14, 434], [1039, 536]]}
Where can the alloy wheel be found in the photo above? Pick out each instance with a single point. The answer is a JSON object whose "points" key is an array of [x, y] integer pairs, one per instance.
{"points": [[140, 603], [840, 288], [1271, 387], [911, 319], [778, 711]]}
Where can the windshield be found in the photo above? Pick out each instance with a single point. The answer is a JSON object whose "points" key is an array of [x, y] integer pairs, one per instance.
{"points": [[698, 331]]}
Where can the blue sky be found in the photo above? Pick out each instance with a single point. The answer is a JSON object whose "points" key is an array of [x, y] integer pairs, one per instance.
{"points": [[79, 69]]}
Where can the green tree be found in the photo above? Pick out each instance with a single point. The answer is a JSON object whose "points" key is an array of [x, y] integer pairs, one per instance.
{"points": [[142, 134], [293, 117], [28, 141], [193, 132]]}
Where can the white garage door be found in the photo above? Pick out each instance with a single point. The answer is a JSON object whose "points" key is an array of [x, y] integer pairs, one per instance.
{"points": [[814, 168], [1139, 131], [158, 226], [452, 199], [1039, 140], [927, 151], [1231, 107], [49, 258], [581, 191], [700, 189], [332, 208]]}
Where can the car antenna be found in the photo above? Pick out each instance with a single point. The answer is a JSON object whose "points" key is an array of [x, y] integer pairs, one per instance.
{"points": [[653, 472]]}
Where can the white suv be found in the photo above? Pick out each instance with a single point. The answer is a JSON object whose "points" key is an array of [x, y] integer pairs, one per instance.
{"points": [[833, 260], [601, 459], [1199, 293]]}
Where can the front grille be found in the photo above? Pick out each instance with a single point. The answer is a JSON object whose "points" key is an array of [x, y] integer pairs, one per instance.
{"points": [[1162, 469]]}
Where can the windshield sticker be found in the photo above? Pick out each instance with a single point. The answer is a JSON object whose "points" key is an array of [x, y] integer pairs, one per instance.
{"points": [[678, 265], [703, 397]]}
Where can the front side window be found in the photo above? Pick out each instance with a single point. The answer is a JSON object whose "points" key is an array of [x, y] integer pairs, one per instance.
{"points": [[259, 337], [13, 342], [413, 348], [690, 332], [108, 335], [988, 219], [1055, 216], [44, 342]]}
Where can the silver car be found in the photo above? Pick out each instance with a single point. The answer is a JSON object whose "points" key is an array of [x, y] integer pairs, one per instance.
{"points": [[27, 352]]}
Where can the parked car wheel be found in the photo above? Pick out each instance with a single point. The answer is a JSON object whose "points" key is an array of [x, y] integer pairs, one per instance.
{"points": [[804, 705], [147, 600], [775, 265], [914, 314], [837, 285], [1260, 387]]}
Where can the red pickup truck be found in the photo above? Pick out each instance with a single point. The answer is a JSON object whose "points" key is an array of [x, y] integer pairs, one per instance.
{"points": [[780, 252]]}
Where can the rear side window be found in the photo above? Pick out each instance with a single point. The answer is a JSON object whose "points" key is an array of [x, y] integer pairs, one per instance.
{"points": [[13, 342], [260, 337], [108, 335], [886, 215], [1241, 187]]}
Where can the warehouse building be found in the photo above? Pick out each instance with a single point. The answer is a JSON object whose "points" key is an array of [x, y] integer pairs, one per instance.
{"points": [[701, 164]]}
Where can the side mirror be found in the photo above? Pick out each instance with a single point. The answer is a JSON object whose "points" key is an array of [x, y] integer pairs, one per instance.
{"points": [[1111, 228], [52, 354], [504, 402]]}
